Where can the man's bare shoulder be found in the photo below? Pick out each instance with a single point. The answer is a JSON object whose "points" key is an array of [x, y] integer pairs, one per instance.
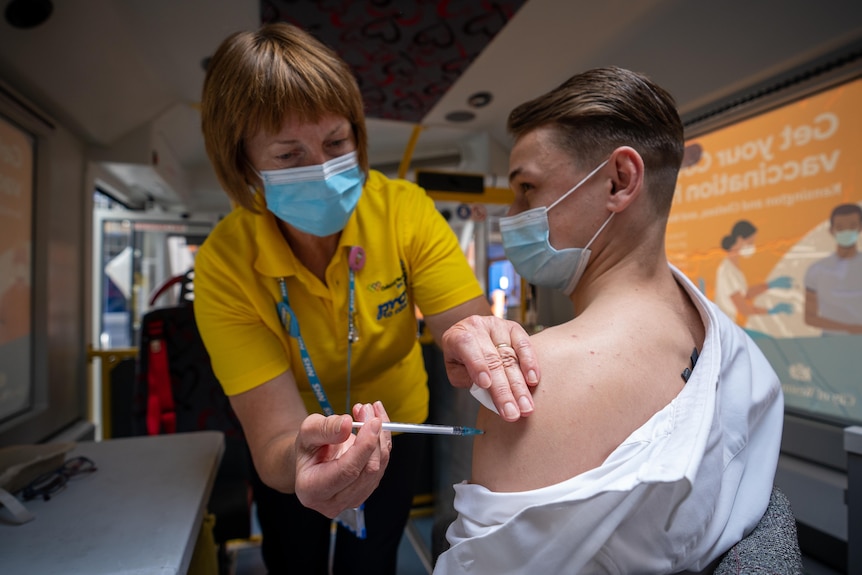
{"points": [[603, 376]]}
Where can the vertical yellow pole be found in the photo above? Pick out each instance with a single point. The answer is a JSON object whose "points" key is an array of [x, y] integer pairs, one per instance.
{"points": [[408, 152], [108, 360]]}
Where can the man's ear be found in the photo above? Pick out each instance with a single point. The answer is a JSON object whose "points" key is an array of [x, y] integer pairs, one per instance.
{"points": [[627, 179]]}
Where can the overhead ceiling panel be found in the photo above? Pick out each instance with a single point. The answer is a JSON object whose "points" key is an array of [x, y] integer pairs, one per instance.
{"points": [[405, 55]]}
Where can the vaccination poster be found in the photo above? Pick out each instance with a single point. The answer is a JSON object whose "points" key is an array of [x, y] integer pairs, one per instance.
{"points": [[765, 221], [16, 205]]}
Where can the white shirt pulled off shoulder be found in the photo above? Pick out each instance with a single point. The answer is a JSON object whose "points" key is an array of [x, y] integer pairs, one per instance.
{"points": [[673, 497]]}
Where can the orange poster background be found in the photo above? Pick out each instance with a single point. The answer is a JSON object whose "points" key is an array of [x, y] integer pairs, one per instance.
{"points": [[784, 171], [16, 201]]}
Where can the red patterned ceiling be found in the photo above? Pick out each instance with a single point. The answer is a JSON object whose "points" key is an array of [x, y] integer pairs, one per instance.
{"points": [[405, 53]]}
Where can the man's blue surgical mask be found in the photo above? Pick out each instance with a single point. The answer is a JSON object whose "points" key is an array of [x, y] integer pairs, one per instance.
{"points": [[526, 241], [847, 238], [317, 200]]}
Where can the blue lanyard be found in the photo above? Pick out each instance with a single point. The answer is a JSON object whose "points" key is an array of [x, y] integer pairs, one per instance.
{"points": [[291, 324]]}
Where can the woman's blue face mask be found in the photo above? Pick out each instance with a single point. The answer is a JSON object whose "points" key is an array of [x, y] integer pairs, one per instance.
{"points": [[317, 200]]}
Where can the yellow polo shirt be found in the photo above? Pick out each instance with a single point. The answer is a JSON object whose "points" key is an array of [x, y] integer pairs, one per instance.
{"points": [[402, 233]]}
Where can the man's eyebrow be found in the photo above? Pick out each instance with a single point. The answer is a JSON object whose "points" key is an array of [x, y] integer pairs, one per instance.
{"points": [[514, 174]]}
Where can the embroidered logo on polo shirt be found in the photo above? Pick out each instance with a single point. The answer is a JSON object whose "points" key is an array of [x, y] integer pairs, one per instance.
{"points": [[398, 304], [392, 307], [398, 282]]}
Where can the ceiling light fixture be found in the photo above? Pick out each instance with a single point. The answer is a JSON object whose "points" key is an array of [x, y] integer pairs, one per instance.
{"points": [[460, 116], [480, 99]]}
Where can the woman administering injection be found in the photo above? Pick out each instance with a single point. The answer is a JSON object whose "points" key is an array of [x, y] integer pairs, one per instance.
{"points": [[304, 297]]}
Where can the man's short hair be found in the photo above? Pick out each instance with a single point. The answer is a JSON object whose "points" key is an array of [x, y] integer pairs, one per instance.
{"points": [[602, 109], [843, 210]]}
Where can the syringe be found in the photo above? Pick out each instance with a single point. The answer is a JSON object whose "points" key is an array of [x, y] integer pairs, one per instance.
{"points": [[426, 428]]}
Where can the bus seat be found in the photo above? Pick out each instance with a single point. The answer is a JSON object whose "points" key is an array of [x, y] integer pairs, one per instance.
{"points": [[771, 549]]}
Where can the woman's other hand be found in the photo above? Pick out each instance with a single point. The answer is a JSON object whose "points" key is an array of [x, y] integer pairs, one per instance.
{"points": [[496, 355], [335, 469]]}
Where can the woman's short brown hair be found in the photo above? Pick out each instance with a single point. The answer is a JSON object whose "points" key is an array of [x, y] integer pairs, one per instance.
{"points": [[255, 81]]}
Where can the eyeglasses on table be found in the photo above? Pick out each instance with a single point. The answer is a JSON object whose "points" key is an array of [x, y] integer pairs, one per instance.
{"points": [[52, 482]]}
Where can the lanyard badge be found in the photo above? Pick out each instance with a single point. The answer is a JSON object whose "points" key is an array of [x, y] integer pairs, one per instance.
{"points": [[353, 519]]}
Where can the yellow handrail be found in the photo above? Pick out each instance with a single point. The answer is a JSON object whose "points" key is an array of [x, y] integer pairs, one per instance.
{"points": [[408, 152], [110, 358]]}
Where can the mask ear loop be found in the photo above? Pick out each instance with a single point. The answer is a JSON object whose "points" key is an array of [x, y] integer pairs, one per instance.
{"points": [[579, 184], [607, 221]]}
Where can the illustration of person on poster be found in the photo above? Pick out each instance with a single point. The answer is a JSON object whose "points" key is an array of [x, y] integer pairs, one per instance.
{"points": [[833, 285], [732, 292], [772, 180]]}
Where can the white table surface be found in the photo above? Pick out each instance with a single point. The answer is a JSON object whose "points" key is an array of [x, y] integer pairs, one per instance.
{"points": [[139, 513]]}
